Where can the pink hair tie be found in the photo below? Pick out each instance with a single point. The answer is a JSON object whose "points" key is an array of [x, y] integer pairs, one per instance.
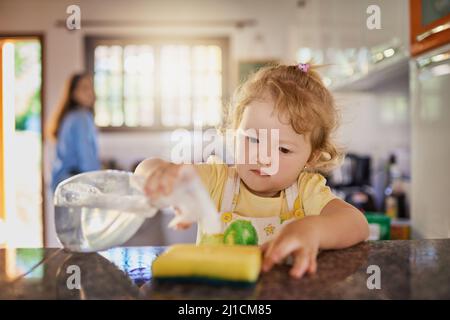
{"points": [[303, 67]]}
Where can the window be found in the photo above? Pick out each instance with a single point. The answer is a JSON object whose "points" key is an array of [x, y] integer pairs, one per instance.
{"points": [[157, 84]]}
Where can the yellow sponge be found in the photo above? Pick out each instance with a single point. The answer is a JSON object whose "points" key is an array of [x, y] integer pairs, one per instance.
{"points": [[212, 263]]}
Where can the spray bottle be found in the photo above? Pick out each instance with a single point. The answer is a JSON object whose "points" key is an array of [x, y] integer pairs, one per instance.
{"points": [[99, 210]]}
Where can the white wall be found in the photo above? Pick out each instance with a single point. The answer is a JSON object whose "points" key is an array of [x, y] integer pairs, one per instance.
{"points": [[284, 27]]}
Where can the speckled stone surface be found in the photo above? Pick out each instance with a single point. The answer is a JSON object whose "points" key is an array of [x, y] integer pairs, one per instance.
{"points": [[416, 269]]}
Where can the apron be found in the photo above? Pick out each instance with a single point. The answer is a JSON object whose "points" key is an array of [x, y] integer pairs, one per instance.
{"points": [[238, 229]]}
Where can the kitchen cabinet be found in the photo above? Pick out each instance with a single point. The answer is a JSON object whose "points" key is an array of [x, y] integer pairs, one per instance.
{"points": [[430, 24]]}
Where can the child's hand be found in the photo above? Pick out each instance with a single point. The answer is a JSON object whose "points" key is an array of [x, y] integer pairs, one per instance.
{"points": [[161, 180], [299, 238]]}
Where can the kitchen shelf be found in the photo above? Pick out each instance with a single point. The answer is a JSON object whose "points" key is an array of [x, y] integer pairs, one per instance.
{"points": [[393, 68]]}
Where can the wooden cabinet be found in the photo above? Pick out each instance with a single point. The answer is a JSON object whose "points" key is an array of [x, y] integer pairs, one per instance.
{"points": [[430, 24]]}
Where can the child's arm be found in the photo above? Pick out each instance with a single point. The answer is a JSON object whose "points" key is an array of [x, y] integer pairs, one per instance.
{"points": [[339, 225]]}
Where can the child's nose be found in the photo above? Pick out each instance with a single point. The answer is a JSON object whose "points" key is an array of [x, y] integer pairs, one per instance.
{"points": [[264, 161], [264, 157]]}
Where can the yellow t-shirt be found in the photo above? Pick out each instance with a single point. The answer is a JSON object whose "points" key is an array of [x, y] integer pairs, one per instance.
{"points": [[312, 190]]}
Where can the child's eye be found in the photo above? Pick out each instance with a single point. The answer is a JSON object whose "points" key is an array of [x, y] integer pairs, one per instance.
{"points": [[284, 150], [253, 140]]}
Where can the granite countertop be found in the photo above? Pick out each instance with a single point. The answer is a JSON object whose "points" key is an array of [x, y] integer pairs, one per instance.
{"points": [[415, 269]]}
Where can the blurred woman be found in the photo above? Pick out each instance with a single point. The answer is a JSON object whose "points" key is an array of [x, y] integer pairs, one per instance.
{"points": [[73, 128]]}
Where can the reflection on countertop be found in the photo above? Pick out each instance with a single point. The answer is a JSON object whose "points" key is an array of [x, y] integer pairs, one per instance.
{"points": [[416, 269]]}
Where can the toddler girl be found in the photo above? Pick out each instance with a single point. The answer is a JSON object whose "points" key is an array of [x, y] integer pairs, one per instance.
{"points": [[276, 196]]}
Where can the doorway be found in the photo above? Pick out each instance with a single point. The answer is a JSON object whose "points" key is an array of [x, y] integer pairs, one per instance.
{"points": [[21, 178]]}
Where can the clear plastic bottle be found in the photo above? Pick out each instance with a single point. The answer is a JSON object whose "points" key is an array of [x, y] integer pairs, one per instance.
{"points": [[98, 210]]}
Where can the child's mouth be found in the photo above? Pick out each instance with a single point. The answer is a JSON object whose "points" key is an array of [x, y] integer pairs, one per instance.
{"points": [[260, 173]]}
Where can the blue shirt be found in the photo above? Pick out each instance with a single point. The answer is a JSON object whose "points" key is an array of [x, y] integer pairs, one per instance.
{"points": [[77, 148]]}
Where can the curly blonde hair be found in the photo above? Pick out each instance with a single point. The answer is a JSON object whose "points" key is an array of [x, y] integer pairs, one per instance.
{"points": [[304, 98]]}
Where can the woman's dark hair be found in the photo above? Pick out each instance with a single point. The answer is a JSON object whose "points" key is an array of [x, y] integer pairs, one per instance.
{"points": [[67, 104]]}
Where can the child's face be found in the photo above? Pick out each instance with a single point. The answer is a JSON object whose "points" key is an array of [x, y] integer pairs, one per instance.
{"points": [[285, 158]]}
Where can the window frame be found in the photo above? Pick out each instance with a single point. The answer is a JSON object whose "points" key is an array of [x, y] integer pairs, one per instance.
{"points": [[92, 41]]}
